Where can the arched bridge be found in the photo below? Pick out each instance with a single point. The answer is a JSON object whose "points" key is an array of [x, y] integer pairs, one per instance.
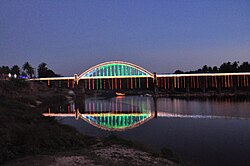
{"points": [[115, 69], [110, 75], [120, 75]]}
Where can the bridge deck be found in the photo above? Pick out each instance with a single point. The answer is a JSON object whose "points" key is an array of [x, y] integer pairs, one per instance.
{"points": [[141, 76]]}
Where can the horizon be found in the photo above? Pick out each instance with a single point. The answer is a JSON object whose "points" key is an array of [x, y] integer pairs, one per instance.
{"points": [[185, 72]]}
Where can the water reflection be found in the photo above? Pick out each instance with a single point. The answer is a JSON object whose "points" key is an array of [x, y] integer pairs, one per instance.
{"points": [[207, 132], [203, 109], [121, 113], [115, 114]]}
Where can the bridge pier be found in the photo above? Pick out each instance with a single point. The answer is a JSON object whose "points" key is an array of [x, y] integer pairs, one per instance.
{"points": [[203, 84], [219, 84], [234, 87], [77, 88], [155, 105], [187, 84], [172, 88], [156, 90], [77, 114], [79, 98], [80, 104], [248, 82]]}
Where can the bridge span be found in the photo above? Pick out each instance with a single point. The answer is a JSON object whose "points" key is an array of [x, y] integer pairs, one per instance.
{"points": [[119, 76]]}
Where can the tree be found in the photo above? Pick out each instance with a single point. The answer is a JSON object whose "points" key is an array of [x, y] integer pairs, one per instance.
{"points": [[28, 69], [205, 69], [4, 70], [15, 70], [210, 70], [178, 72], [215, 69], [43, 71], [199, 71], [226, 68], [50, 73], [235, 66], [244, 67]]}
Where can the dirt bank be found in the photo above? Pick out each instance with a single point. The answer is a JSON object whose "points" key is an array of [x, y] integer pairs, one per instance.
{"points": [[111, 155], [28, 138]]}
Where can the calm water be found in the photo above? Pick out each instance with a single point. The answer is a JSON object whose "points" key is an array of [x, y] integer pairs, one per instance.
{"points": [[202, 132]]}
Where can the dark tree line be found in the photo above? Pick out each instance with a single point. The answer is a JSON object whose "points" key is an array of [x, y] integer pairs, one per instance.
{"points": [[43, 71], [224, 68], [28, 71]]}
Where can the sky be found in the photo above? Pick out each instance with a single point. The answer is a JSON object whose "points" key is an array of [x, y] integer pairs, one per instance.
{"points": [[158, 35]]}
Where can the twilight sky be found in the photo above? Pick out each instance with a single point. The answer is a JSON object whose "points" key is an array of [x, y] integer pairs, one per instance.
{"points": [[159, 35]]}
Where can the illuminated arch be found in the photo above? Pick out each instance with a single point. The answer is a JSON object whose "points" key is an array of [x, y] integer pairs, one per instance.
{"points": [[115, 69], [117, 122]]}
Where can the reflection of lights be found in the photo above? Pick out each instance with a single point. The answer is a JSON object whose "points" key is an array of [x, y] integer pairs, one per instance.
{"points": [[9, 75], [59, 115], [15, 75], [176, 115], [122, 113], [116, 115], [109, 121], [116, 121]]}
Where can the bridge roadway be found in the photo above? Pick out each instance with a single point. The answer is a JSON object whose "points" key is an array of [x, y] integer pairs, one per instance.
{"points": [[119, 76]]}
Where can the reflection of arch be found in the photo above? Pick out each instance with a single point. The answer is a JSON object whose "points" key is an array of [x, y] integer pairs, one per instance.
{"points": [[116, 124], [115, 69]]}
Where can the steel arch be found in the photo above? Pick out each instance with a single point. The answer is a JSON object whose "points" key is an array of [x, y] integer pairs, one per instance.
{"points": [[127, 64]]}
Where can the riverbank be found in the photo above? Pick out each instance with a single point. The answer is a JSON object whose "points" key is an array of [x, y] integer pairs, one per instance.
{"points": [[28, 138], [97, 154]]}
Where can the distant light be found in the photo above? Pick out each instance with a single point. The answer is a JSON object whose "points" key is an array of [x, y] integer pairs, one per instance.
{"points": [[24, 77], [9, 75], [15, 75]]}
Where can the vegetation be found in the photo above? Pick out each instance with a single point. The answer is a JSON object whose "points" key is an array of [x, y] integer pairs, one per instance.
{"points": [[15, 70], [24, 131], [27, 71], [43, 71], [224, 68], [7, 70]]}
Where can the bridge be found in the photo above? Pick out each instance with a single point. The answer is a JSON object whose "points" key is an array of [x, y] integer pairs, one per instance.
{"points": [[119, 75]]}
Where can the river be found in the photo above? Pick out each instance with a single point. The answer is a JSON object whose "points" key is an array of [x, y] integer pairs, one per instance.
{"points": [[201, 132]]}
